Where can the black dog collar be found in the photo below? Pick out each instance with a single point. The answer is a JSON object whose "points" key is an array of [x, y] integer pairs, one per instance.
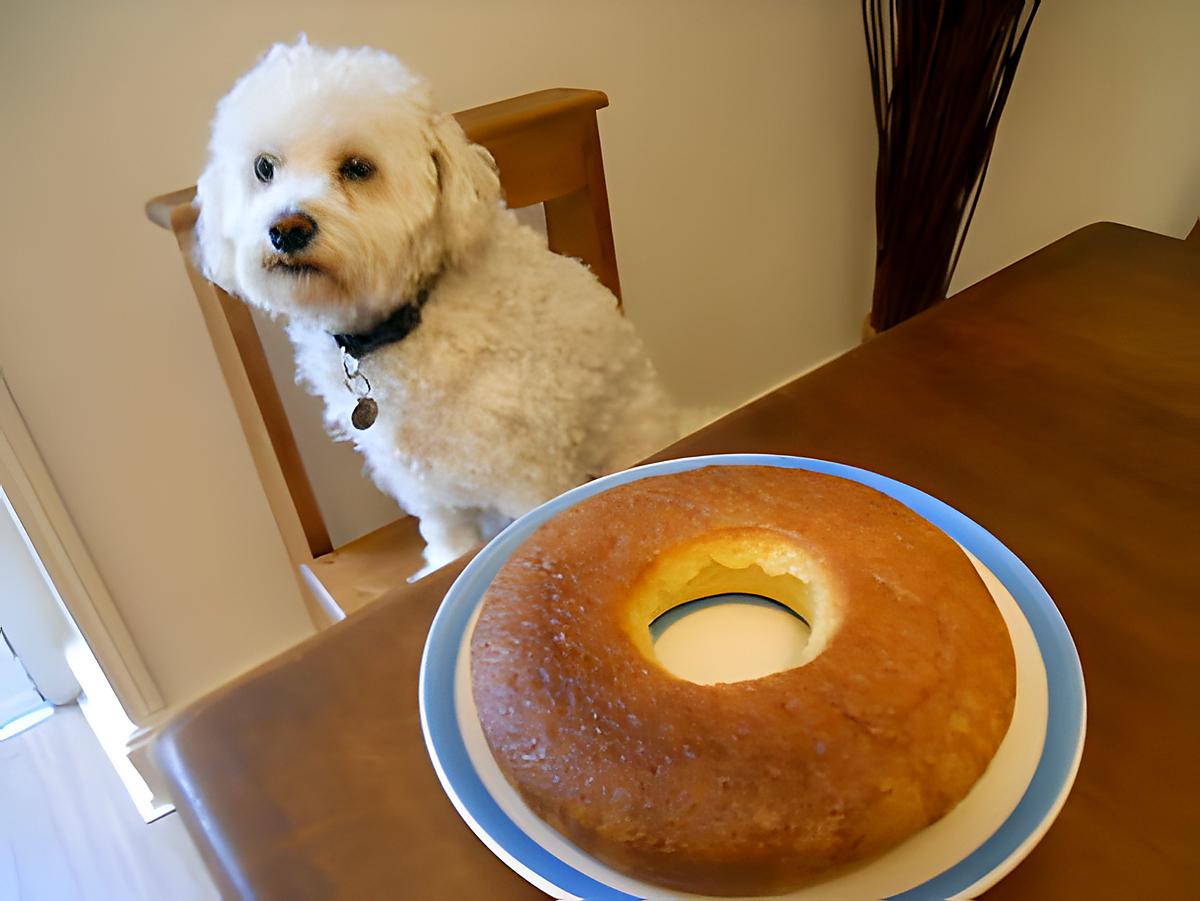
{"points": [[396, 327]]}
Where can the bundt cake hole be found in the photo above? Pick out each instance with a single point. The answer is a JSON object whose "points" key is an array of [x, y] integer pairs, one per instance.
{"points": [[734, 607]]}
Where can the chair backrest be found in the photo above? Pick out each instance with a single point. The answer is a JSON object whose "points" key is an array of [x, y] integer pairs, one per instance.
{"points": [[547, 148]]}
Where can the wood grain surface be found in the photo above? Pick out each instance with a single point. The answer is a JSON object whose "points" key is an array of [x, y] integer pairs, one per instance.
{"points": [[1057, 404]]}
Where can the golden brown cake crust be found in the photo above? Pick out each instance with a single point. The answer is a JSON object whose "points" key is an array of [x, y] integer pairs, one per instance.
{"points": [[755, 786]]}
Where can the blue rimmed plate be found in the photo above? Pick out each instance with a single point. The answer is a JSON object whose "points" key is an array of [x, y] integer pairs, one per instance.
{"points": [[967, 851]]}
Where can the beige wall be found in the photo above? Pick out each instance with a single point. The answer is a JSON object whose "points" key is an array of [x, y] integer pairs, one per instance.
{"points": [[739, 149], [1103, 124]]}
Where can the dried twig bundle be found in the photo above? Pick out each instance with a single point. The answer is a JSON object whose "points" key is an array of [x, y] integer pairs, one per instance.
{"points": [[941, 71]]}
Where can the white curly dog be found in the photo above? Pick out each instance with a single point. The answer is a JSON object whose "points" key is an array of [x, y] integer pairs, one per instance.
{"points": [[484, 373]]}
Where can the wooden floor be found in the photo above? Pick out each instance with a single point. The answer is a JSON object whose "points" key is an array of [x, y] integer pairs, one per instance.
{"points": [[68, 829]]}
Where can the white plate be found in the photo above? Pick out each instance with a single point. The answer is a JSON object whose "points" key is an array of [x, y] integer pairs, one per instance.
{"points": [[964, 853]]}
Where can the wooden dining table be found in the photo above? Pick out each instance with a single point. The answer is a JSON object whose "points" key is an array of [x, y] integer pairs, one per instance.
{"points": [[1056, 403]]}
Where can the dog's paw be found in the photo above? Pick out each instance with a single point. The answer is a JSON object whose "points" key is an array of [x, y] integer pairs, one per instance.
{"points": [[424, 571]]}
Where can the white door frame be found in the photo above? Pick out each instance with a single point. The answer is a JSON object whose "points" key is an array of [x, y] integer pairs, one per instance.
{"points": [[69, 569], [18, 695]]}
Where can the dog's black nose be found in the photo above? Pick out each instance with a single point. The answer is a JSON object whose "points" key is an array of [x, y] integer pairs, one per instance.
{"points": [[292, 232]]}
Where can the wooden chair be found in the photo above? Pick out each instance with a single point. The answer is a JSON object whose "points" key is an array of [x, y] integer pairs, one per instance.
{"points": [[547, 148]]}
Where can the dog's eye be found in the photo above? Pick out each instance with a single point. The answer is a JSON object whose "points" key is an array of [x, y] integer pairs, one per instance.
{"points": [[264, 167], [355, 169]]}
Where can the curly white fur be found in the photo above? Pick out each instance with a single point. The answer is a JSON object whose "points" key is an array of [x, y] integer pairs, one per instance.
{"points": [[522, 379]]}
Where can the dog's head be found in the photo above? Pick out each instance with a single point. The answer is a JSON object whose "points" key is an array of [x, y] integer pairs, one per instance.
{"points": [[334, 188]]}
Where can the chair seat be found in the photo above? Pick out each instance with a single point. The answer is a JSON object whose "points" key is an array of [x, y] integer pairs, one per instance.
{"points": [[353, 575]]}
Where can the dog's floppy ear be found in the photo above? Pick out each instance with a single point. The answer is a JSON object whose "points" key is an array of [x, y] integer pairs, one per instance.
{"points": [[213, 251], [468, 184]]}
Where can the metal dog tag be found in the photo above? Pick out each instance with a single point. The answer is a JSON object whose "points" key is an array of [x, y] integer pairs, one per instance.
{"points": [[364, 413]]}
